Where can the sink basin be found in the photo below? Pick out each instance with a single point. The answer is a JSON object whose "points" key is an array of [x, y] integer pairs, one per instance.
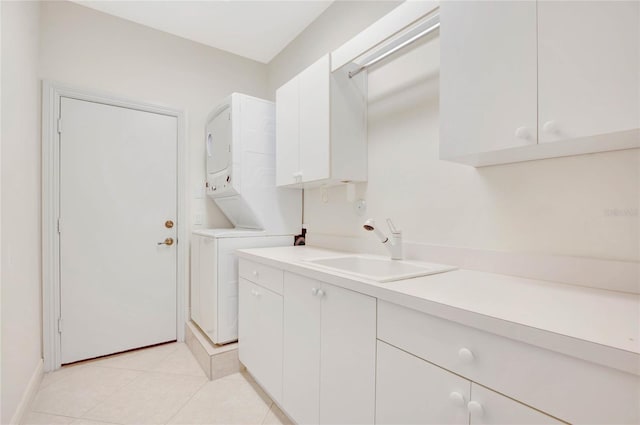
{"points": [[379, 269]]}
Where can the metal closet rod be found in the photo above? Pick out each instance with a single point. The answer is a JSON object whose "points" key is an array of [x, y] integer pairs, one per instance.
{"points": [[426, 28]]}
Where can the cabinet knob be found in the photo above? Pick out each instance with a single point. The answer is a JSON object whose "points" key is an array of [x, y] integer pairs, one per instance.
{"points": [[254, 293], [523, 133], [465, 355], [550, 127], [320, 293], [314, 291], [457, 399], [255, 273], [475, 408]]}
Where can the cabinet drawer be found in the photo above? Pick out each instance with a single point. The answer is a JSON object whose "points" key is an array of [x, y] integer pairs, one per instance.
{"points": [[491, 408], [268, 277], [565, 387]]}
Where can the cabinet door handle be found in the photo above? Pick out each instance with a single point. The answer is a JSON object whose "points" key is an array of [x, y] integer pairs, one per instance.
{"points": [[523, 133], [550, 127], [457, 399], [466, 355], [475, 408]]}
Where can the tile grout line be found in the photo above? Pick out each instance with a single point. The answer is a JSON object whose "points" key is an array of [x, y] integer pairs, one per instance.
{"points": [[141, 373], [187, 401]]}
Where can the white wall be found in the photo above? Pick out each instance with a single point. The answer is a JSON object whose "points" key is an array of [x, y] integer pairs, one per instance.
{"points": [[567, 206], [20, 224], [96, 51], [340, 22]]}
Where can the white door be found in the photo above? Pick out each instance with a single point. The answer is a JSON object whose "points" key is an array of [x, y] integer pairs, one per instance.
{"points": [[347, 356], [589, 68], [314, 120], [288, 133], [301, 353], [261, 336], [410, 390], [488, 76], [117, 191]]}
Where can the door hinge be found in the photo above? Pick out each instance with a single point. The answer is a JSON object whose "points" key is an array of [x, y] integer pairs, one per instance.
{"points": [[60, 325], [60, 125], [58, 225]]}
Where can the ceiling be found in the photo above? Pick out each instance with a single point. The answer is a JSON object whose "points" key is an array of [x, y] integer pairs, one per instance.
{"points": [[257, 30]]}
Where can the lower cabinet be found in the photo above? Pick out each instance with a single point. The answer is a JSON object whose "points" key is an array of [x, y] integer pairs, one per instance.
{"points": [[488, 407], [329, 353], [260, 335], [410, 390]]}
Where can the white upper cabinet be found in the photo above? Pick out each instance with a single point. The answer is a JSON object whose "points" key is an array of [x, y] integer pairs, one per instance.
{"points": [[518, 75], [321, 127], [588, 68], [287, 130], [488, 76]]}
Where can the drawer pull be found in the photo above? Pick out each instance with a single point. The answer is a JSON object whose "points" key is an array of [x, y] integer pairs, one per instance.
{"points": [[457, 399], [255, 273], [255, 293], [465, 355], [475, 409]]}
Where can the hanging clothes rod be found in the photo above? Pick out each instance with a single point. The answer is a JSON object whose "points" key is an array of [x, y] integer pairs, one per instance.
{"points": [[425, 28]]}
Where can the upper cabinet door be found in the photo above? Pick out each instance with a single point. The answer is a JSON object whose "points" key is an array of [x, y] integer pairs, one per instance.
{"points": [[488, 78], [589, 74], [314, 120], [287, 133]]}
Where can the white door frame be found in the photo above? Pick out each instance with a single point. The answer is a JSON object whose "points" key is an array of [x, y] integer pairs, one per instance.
{"points": [[51, 94]]}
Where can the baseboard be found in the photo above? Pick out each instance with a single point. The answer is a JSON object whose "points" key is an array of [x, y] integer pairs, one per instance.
{"points": [[29, 394]]}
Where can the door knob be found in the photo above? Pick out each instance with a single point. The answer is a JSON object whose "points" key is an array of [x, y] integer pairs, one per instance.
{"points": [[167, 241], [168, 224]]}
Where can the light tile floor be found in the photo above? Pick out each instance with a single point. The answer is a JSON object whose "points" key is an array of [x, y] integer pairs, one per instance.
{"points": [[158, 385]]}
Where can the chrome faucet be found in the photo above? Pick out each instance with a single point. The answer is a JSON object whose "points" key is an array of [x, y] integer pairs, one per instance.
{"points": [[394, 244]]}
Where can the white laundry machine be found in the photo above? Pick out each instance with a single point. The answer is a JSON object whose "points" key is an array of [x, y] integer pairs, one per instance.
{"points": [[240, 149]]}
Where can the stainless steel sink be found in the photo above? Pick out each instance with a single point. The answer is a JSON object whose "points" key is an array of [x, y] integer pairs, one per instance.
{"points": [[378, 268]]}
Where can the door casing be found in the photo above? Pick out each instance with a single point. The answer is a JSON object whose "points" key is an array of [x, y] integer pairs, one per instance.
{"points": [[51, 94]]}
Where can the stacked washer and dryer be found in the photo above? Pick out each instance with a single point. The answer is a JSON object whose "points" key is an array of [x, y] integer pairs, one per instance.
{"points": [[240, 151]]}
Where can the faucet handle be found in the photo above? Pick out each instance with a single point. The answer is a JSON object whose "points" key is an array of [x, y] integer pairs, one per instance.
{"points": [[392, 228]]}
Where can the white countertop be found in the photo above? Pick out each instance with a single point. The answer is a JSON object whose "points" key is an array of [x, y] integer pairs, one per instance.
{"points": [[593, 324]]}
